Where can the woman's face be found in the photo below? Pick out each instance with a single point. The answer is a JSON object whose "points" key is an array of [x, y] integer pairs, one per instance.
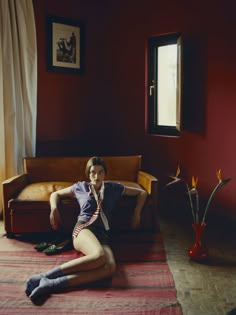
{"points": [[96, 175]]}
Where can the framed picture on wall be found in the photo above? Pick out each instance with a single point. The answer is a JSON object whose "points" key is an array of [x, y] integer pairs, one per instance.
{"points": [[64, 45]]}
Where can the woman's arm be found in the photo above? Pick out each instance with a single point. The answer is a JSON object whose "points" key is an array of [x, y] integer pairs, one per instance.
{"points": [[141, 198], [55, 218]]}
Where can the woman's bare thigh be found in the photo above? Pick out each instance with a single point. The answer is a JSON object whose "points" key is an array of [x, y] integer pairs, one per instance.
{"points": [[87, 243]]}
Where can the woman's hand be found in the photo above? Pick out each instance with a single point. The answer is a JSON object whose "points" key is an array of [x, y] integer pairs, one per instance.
{"points": [[55, 219], [141, 198]]}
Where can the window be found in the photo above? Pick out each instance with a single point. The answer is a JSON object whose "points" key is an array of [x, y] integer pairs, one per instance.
{"points": [[164, 84]]}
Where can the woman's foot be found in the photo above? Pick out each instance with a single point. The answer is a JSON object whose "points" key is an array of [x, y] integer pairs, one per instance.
{"points": [[33, 283], [45, 286]]}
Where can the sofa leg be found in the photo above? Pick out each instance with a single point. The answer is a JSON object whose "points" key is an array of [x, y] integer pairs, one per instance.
{"points": [[10, 235]]}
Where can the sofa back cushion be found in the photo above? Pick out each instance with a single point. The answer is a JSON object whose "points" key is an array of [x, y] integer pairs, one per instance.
{"points": [[72, 169]]}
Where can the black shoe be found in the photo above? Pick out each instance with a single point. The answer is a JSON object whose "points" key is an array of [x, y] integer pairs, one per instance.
{"points": [[59, 248]]}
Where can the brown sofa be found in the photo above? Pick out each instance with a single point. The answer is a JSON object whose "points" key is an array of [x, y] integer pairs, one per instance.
{"points": [[26, 196]]}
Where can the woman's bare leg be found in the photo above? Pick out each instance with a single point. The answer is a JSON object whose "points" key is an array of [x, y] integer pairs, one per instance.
{"points": [[104, 271], [94, 255], [47, 285], [97, 263]]}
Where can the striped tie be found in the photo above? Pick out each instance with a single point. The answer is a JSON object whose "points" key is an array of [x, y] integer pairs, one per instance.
{"points": [[80, 227]]}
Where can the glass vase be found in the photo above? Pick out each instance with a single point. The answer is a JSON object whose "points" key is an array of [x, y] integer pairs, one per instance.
{"points": [[198, 251]]}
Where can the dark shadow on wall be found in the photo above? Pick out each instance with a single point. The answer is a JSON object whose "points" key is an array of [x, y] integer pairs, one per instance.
{"points": [[194, 84], [85, 146], [72, 147]]}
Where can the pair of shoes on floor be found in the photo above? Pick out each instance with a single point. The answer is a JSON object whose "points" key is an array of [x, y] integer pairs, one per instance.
{"points": [[59, 248], [42, 246], [54, 247], [45, 244]]}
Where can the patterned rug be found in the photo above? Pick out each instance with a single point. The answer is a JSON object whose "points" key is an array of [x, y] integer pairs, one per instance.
{"points": [[142, 284]]}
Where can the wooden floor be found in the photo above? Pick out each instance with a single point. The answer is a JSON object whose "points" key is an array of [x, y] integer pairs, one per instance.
{"points": [[202, 288]]}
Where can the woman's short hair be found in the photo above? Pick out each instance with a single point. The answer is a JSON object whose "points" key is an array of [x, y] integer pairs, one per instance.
{"points": [[95, 160]]}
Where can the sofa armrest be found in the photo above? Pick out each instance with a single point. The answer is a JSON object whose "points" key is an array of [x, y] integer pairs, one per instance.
{"points": [[10, 189], [148, 182]]}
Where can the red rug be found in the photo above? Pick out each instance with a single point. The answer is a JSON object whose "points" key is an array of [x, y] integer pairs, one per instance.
{"points": [[142, 284]]}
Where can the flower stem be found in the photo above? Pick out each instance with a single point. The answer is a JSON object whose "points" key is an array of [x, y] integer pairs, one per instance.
{"points": [[191, 203], [197, 207], [210, 199]]}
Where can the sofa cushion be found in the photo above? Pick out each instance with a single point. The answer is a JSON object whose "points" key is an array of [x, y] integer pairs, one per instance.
{"points": [[41, 191]]}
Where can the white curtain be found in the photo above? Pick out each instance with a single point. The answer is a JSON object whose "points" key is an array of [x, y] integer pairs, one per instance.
{"points": [[18, 86]]}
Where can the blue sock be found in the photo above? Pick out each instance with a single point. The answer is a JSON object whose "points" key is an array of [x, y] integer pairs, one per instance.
{"points": [[34, 281], [47, 286]]}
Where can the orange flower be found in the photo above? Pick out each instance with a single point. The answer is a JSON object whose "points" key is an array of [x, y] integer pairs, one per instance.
{"points": [[194, 182], [177, 171], [175, 178], [193, 193], [219, 175]]}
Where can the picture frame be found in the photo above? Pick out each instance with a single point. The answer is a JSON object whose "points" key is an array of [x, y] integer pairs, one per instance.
{"points": [[64, 45]]}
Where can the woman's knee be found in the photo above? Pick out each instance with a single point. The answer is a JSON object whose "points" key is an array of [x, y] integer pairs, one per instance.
{"points": [[109, 269], [108, 262], [111, 266], [99, 256]]}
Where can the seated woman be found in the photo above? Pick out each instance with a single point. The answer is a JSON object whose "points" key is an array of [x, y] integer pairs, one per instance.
{"points": [[96, 199]]}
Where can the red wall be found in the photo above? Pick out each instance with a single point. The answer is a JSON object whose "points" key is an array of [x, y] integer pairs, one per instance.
{"points": [[103, 110]]}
